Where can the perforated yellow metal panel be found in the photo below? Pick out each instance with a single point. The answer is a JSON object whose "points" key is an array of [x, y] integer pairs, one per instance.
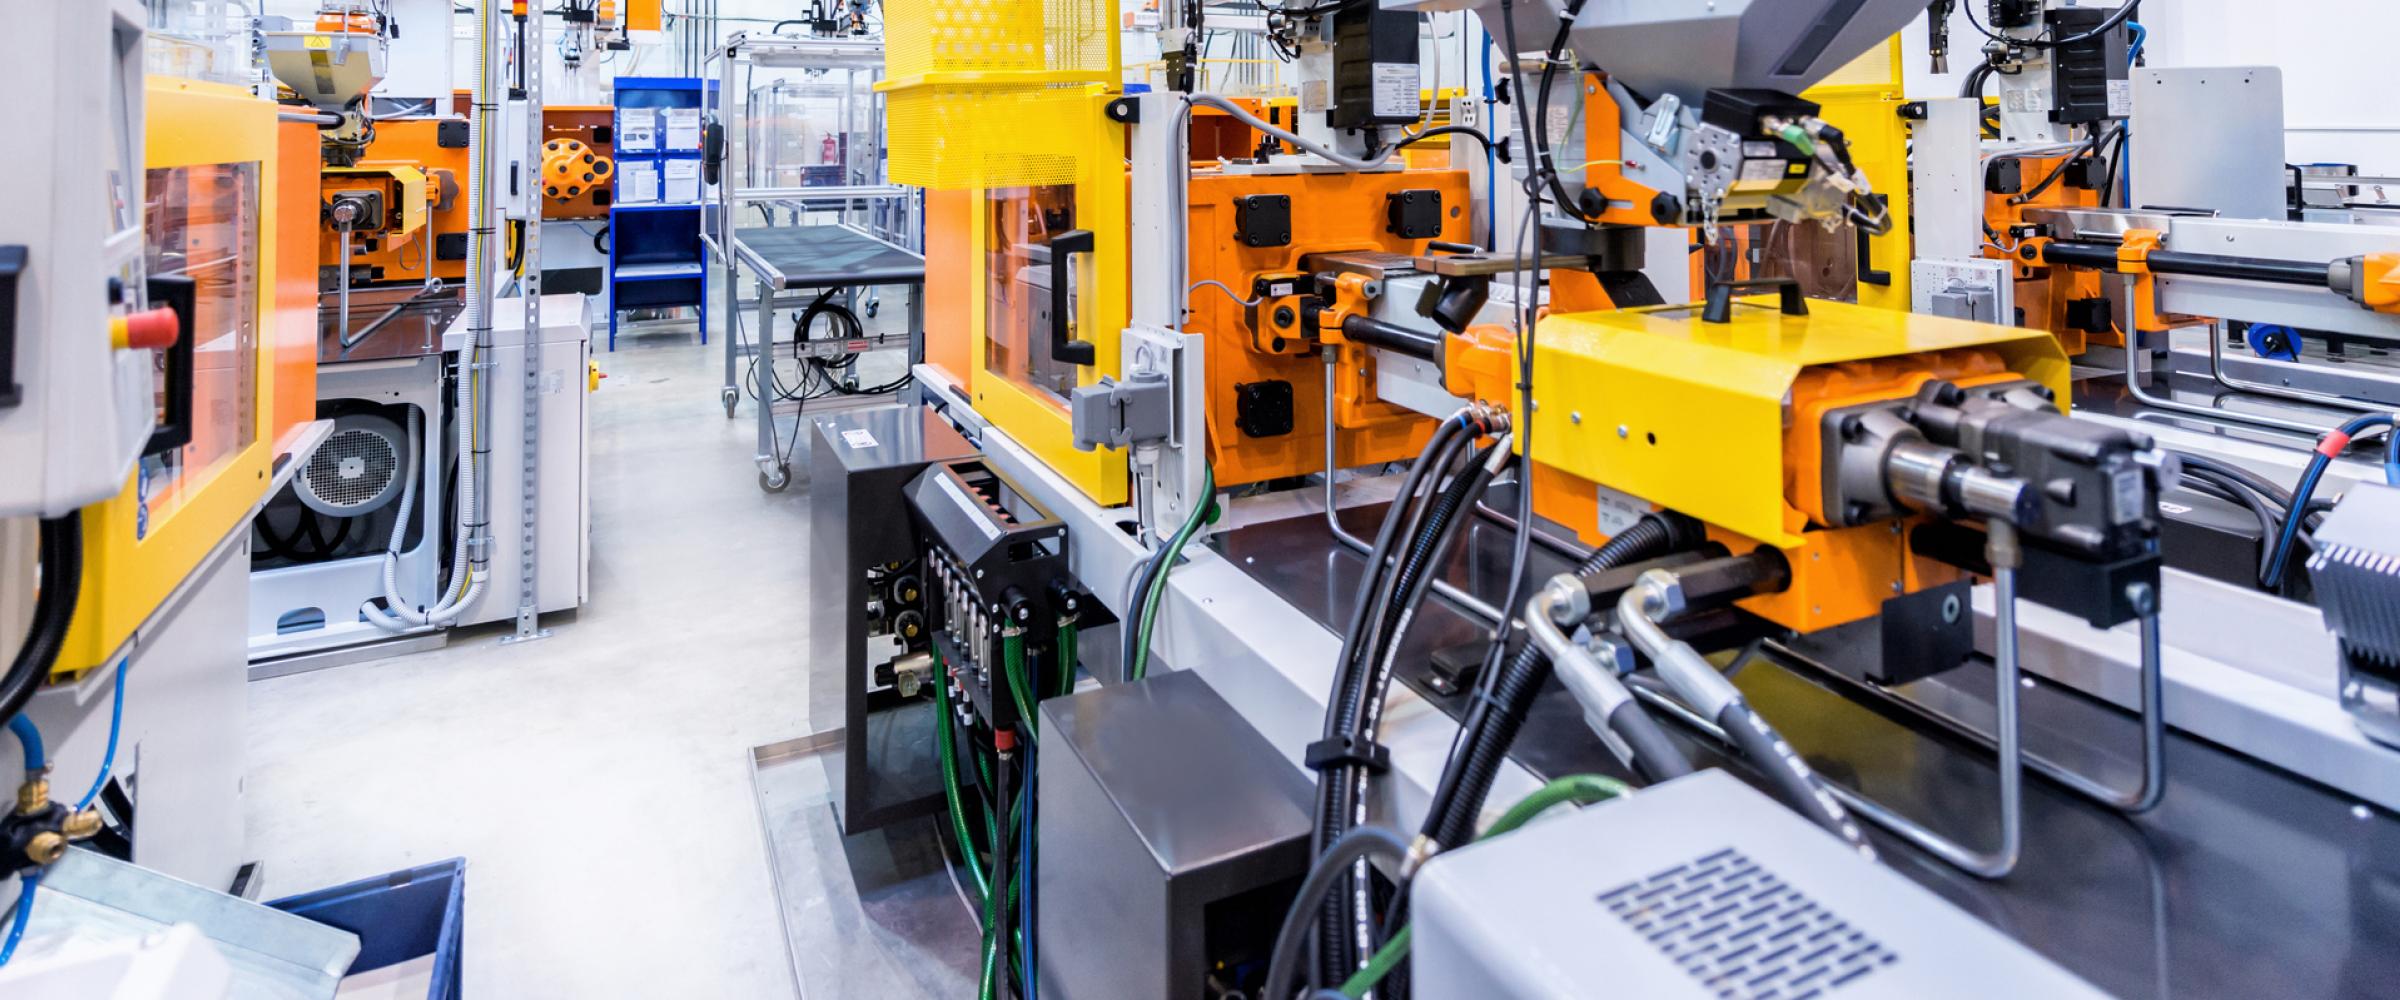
{"points": [[994, 93]]}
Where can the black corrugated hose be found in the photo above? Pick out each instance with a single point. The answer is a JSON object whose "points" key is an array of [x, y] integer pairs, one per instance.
{"points": [[53, 610]]}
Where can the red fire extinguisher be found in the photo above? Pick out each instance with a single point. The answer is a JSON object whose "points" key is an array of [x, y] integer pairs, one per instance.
{"points": [[832, 150]]}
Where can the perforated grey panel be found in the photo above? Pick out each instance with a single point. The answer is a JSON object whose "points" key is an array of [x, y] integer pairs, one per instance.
{"points": [[1744, 933]]}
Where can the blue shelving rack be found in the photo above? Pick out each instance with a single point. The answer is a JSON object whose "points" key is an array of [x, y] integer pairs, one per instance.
{"points": [[655, 257]]}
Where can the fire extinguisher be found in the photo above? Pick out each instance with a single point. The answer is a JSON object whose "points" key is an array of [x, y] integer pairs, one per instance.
{"points": [[832, 150]]}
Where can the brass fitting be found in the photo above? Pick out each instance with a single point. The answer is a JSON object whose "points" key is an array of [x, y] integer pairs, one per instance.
{"points": [[33, 796], [46, 848], [81, 825]]}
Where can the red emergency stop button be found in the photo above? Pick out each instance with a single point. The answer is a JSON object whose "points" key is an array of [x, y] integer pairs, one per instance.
{"points": [[149, 330]]}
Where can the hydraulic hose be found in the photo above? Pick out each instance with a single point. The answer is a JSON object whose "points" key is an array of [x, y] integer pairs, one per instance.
{"points": [[1357, 845], [1608, 706], [1578, 789], [1387, 573], [1660, 595], [1436, 538], [60, 540], [1491, 726]]}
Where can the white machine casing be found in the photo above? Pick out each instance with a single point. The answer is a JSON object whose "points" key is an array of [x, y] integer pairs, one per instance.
{"points": [[86, 408], [1701, 888], [562, 483]]}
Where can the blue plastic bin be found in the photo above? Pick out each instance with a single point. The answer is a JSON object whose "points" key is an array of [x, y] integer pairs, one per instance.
{"points": [[397, 917]]}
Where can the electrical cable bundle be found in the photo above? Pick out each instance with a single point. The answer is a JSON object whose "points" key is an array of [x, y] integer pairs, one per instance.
{"points": [[2301, 504], [1150, 577]]}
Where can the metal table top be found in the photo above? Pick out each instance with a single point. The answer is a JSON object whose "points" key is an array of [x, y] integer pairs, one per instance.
{"points": [[2245, 882], [389, 322], [824, 256]]}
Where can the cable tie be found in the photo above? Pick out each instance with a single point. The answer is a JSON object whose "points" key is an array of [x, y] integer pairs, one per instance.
{"points": [[1348, 751], [2333, 444]]}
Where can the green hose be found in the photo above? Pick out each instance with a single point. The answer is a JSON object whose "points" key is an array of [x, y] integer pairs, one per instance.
{"points": [[1581, 789], [1012, 667], [950, 793], [1140, 667], [1066, 659]]}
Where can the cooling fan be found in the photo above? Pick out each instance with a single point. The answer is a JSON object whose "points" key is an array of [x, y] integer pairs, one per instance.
{"points": [[358, 470]]}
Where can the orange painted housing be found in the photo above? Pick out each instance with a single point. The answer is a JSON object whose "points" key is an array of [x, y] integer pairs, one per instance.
{"points": [[291, 334], [1629, 202], [950, 279], [1330, 213], [2045, 293], [375, 259], [584, 123], [441, 245]]}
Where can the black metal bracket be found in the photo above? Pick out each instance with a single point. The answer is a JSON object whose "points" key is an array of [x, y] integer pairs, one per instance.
{"points": [[1720, 297], [1124, 111]]}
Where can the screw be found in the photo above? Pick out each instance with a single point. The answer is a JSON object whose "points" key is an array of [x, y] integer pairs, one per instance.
{"points": [[1575, 417], [1624, 431]]}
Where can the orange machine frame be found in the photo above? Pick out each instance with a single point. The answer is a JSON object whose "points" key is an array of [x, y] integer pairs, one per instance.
{"points": [[1331, 212], [412, 142]]}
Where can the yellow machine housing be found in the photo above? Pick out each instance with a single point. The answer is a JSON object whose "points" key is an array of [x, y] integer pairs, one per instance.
{"points": [[402, 187], [1863, 99], [211, 216], [1715, 421]]}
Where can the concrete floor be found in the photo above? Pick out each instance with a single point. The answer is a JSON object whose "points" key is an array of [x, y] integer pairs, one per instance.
{"points": [[598, 782]]}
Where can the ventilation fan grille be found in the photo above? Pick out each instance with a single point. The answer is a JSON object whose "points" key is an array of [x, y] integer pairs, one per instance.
{"points": [[1744, 933], [353, 471]]}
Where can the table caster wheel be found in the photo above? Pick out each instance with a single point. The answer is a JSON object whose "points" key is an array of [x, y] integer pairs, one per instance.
{"points": [[730, 398], [776, 481], [873, 306]]}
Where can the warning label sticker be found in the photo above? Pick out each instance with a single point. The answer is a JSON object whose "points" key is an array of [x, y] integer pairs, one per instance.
{"points": [[1395, 90]]}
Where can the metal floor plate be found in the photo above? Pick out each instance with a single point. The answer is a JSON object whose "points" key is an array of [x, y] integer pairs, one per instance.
{"points": [[874, 915]]}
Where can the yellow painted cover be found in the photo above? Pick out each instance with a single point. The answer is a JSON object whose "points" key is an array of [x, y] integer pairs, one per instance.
{"points": [[1039, 423], [1690, 415], [133, 562]]}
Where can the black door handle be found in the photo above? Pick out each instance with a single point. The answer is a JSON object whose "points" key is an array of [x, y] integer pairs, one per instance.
{"points": [[175, 426], [1867, 272], [712, 152], [1720, 297], [12, 264], [1063, 248]]}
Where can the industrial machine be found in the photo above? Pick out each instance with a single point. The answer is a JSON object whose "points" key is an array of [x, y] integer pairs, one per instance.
{"points": [[382, 541], [144, 387], [1914, 520]]}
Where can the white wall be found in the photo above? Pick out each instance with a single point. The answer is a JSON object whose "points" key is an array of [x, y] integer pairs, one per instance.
{"points": [[2335, 56]]}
